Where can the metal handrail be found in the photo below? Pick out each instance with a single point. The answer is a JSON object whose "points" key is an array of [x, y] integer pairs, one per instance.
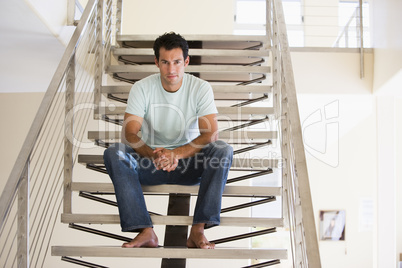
{"points": [[296, 181], [14, 179]]}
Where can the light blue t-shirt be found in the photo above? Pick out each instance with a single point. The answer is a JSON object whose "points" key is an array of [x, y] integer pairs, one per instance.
{"points": [[170, 119]]}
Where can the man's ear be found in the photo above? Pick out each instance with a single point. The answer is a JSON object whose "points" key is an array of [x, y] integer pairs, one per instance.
{"points": [[156, 62], [187, 61]]}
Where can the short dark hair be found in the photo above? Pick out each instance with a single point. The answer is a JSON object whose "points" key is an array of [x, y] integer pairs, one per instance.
{"points": [[170, 41]]}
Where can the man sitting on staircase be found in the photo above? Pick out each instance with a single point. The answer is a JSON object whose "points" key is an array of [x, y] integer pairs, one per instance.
{"points": [[177, 117]]}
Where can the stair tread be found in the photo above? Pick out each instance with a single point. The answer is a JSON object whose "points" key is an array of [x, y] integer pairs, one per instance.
{"points": [[241, 163], [260, 191], [164, 252], [222, 38], [172, 220], [195, 52], [152, 68], [233, 135], [120, 110], [216, 88]]}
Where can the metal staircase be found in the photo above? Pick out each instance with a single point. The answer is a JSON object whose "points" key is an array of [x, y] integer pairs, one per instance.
{"points": [[232, 65], [255, 97]]}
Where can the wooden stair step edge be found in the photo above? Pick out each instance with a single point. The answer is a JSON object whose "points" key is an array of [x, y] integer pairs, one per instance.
{"points": [[240, 163], [125, 89], [161, 252], [195, 52], [233, 135], [172, 220], [190, 68], [120, 110], [247, 191], [219, 38]]}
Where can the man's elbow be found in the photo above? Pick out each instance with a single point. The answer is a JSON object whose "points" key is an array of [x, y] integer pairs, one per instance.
{"points": [[213, 137], [209, 136]]}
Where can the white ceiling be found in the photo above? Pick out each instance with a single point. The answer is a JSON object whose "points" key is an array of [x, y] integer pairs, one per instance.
{"points": [[29, 52]]}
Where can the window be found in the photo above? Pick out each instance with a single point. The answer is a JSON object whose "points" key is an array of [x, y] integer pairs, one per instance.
{"points": [[251, 17], [306, 24]]}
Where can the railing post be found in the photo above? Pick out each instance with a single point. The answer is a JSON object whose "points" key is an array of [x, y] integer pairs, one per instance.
{"points": [[268, 25], [23, 220], [70, 12], [275, 64], [119, 16], [361, 39], [99, 54], [69, 134], [108, 31]]}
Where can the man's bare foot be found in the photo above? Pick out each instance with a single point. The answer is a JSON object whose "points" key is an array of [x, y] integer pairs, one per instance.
{"points": [[145, 239], [197, 238]]}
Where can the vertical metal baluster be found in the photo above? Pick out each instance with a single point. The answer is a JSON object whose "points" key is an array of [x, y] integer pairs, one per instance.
{"points": [[361, 39], [69, 135], [23, 220], [108, 31], [70, 12], [99, 58], [268, 24], [119, 17]]}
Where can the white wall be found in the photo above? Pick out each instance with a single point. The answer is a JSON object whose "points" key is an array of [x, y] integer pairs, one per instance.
{"points": [[28, 50], [398, 174], [181, 16], [387, 40], [53, 14], [29, 57], [18, 111], [338, 115], [320, 22]]}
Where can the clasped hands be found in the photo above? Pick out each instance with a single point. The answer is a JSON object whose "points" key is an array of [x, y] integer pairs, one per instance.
{"points": [[165, 159]]}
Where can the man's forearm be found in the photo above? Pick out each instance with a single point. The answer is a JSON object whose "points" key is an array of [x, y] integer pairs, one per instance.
{"points": [[195, 146], [139, 146]]}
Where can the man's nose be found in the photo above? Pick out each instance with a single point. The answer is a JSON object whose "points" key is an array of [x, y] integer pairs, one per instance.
{"points": [[170, 67]]}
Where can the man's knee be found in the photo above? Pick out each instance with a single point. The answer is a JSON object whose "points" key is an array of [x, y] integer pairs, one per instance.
{"points": [[110, 152], [220, 155], [223, 149], [115, 151]]}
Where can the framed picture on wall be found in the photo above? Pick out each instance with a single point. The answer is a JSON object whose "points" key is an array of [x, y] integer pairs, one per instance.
{"points": [[332, 225]]}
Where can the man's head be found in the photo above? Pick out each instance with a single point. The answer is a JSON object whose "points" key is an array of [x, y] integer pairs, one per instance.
{"points": [[170, 41], [171, 57]]}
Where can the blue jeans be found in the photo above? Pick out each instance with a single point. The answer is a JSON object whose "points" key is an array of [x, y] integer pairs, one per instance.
{"points": [[209, 168]]}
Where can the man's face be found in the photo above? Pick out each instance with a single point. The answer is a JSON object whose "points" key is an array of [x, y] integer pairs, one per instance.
{"points": [[171, 65]]}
